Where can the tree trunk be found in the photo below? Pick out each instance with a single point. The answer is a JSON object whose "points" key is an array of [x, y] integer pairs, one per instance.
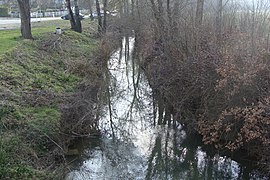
{"points": [[99, 17], [132, 9], [24, 6], [72, 20], [91, 10], [199, 13], [169, 13], [105, 4], [158, 14], [78, 24], [126, 7]]}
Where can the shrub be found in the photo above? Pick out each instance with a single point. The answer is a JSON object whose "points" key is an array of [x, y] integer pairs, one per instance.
{"points": [[3, 11]]}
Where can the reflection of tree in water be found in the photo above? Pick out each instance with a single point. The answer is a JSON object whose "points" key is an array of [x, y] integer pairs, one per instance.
{"points": [[113, 159], [167, 154], [172, 156], [168, 160], [126, 93], [173, 159]]}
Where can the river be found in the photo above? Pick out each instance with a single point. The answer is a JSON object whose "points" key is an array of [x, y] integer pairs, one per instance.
{"points": [[131, 147]]}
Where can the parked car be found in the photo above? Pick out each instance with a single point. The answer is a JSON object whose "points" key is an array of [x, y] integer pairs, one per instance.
{"points": [[67, 17]]}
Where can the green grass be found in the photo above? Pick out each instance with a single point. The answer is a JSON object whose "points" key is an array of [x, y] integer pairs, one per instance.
{"points": [[35, 77], [9, 38]]}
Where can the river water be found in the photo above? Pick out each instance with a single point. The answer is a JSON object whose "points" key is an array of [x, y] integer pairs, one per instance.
{"points": [[133, 148]]}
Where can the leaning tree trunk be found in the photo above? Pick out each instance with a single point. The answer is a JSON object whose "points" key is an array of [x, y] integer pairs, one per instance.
{"points": [[72, 20], [24, 6], [78, 27]]}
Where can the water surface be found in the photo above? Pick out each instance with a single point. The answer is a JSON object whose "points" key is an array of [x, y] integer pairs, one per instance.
{"points": [[133, 148]]}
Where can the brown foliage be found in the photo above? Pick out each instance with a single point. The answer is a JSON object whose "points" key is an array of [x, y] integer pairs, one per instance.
{"points": [[215, 73]]}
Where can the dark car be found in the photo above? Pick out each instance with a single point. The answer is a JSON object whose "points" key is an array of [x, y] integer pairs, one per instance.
{"points": [[67, 17]]}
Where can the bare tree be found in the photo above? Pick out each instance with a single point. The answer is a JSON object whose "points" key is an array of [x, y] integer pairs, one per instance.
{"points": [[159, 14], [105, 4], [78, 27], [24, 6], [72, 20], [198, 21], [75, 21], [169, 13], [219, 21], [99, 17], [199, 12], [91, 9]]}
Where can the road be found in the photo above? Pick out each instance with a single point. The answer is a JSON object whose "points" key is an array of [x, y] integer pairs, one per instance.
{"points": [[11, 23]]}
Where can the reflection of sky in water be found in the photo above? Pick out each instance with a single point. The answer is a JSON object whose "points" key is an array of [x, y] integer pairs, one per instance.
{"points": [[123, 98], [201, 157], [140, 150]]}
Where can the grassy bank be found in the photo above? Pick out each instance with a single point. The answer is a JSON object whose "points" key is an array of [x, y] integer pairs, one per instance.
{"points": [[36, 77], [9, 38]]}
